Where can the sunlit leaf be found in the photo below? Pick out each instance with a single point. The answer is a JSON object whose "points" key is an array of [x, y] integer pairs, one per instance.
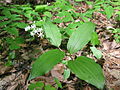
{"points": [[46, 62], [80, 37], [52, 33], [86, 69]]}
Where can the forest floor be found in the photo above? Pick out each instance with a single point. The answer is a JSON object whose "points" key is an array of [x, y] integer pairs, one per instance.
{"points": [[15, 77]]}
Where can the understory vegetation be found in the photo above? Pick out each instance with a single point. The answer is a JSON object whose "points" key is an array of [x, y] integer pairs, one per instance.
{"points": [[35, 39]]}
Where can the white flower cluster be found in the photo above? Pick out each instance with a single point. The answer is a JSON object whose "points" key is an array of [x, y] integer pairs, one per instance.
{"points": [[35, 30]]}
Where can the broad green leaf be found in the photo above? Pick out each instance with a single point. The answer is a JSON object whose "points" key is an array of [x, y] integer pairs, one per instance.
{"points": [[52, 33], [109, 11], [46, 62], [94, 39], [86, 69], [80, 37], [97, 53]]}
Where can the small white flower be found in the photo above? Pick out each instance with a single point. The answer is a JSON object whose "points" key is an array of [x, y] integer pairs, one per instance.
{"points": [[39, 29], [33, 26], [40, 34], [35, 31], [32, 33], [27, 28]]}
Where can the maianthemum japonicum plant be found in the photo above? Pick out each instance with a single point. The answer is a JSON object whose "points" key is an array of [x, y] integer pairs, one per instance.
{"points": [[83, 67]]}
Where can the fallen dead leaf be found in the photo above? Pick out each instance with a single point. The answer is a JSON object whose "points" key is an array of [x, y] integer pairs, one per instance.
{"points": [[57, 71]]}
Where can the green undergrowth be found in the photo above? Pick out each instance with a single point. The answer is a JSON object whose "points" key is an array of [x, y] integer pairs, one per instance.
{"points": [[21, 22]]}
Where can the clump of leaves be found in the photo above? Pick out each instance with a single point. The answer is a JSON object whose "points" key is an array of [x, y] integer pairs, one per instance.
{"points": [[13, 20], [83, 67]]}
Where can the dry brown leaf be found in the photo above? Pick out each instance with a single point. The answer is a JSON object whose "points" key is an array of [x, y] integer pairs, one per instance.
{"points": [[57, 71]]}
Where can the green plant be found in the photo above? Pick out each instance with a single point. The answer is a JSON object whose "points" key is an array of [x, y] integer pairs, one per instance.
{"points": [[77, 31], [84, 67]]}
